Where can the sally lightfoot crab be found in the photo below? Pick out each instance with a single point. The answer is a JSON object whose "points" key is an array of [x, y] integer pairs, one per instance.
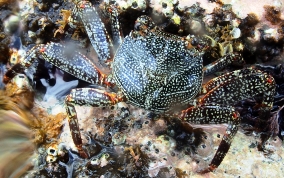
{"points": [[161, 73]]}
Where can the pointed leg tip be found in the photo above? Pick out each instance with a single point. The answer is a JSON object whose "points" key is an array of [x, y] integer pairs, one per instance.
{"points": [[209, 169], [83, 154]]}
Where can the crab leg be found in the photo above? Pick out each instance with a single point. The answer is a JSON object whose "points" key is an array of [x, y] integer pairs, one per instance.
{"points": [[25, 63], [115, 26], [215, 82], [224, 91], [215, 114], [65, 59], [222, 63], [95, 29], [72, 62], [87, 97], [243, 84]]}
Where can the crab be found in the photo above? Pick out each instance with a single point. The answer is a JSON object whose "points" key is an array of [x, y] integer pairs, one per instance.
{"points": [[156, 71]]}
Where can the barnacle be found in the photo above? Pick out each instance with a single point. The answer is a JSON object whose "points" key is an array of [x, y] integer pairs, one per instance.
{"points": [[164, 7], [20, 91], [137, 4], [52, 150], [15, 57], [51, 159]]}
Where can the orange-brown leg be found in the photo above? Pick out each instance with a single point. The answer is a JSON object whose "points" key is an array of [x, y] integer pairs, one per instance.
{"points": [[88, 97], [222, 63], [235, 86], [215, 114], [221, 94]]}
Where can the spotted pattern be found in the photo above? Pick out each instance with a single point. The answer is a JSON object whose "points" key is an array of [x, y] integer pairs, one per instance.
{"points": [[115, 26], [209, 114], [224, 91], [85, 97], [215, 114], [238, 85], [222, 63], [71, 62], [157, 73], [31, 55], [95, 29], [91, 97]]}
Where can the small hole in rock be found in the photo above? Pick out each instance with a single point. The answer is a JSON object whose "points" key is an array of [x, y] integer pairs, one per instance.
{"points": [[51, 150]]}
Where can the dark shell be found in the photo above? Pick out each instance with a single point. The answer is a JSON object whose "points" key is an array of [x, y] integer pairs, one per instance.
{"points": [[157, 72]]}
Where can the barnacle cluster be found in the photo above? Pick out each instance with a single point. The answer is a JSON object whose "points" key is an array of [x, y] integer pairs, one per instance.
{"points": [[271, 42]]}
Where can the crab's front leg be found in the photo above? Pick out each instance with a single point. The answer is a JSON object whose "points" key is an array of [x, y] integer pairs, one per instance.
{"points": [[90, 97], [18, 68], [96, 30], [65, 59]]}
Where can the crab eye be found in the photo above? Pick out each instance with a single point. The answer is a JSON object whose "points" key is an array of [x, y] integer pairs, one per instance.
{"points": [[137, 26], [194, 41], [134, 5]]}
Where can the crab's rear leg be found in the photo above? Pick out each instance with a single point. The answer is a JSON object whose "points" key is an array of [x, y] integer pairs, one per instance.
{"points": [[215, 114], [222, 63], [87, 97], [225, 91], [235, 86]]}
